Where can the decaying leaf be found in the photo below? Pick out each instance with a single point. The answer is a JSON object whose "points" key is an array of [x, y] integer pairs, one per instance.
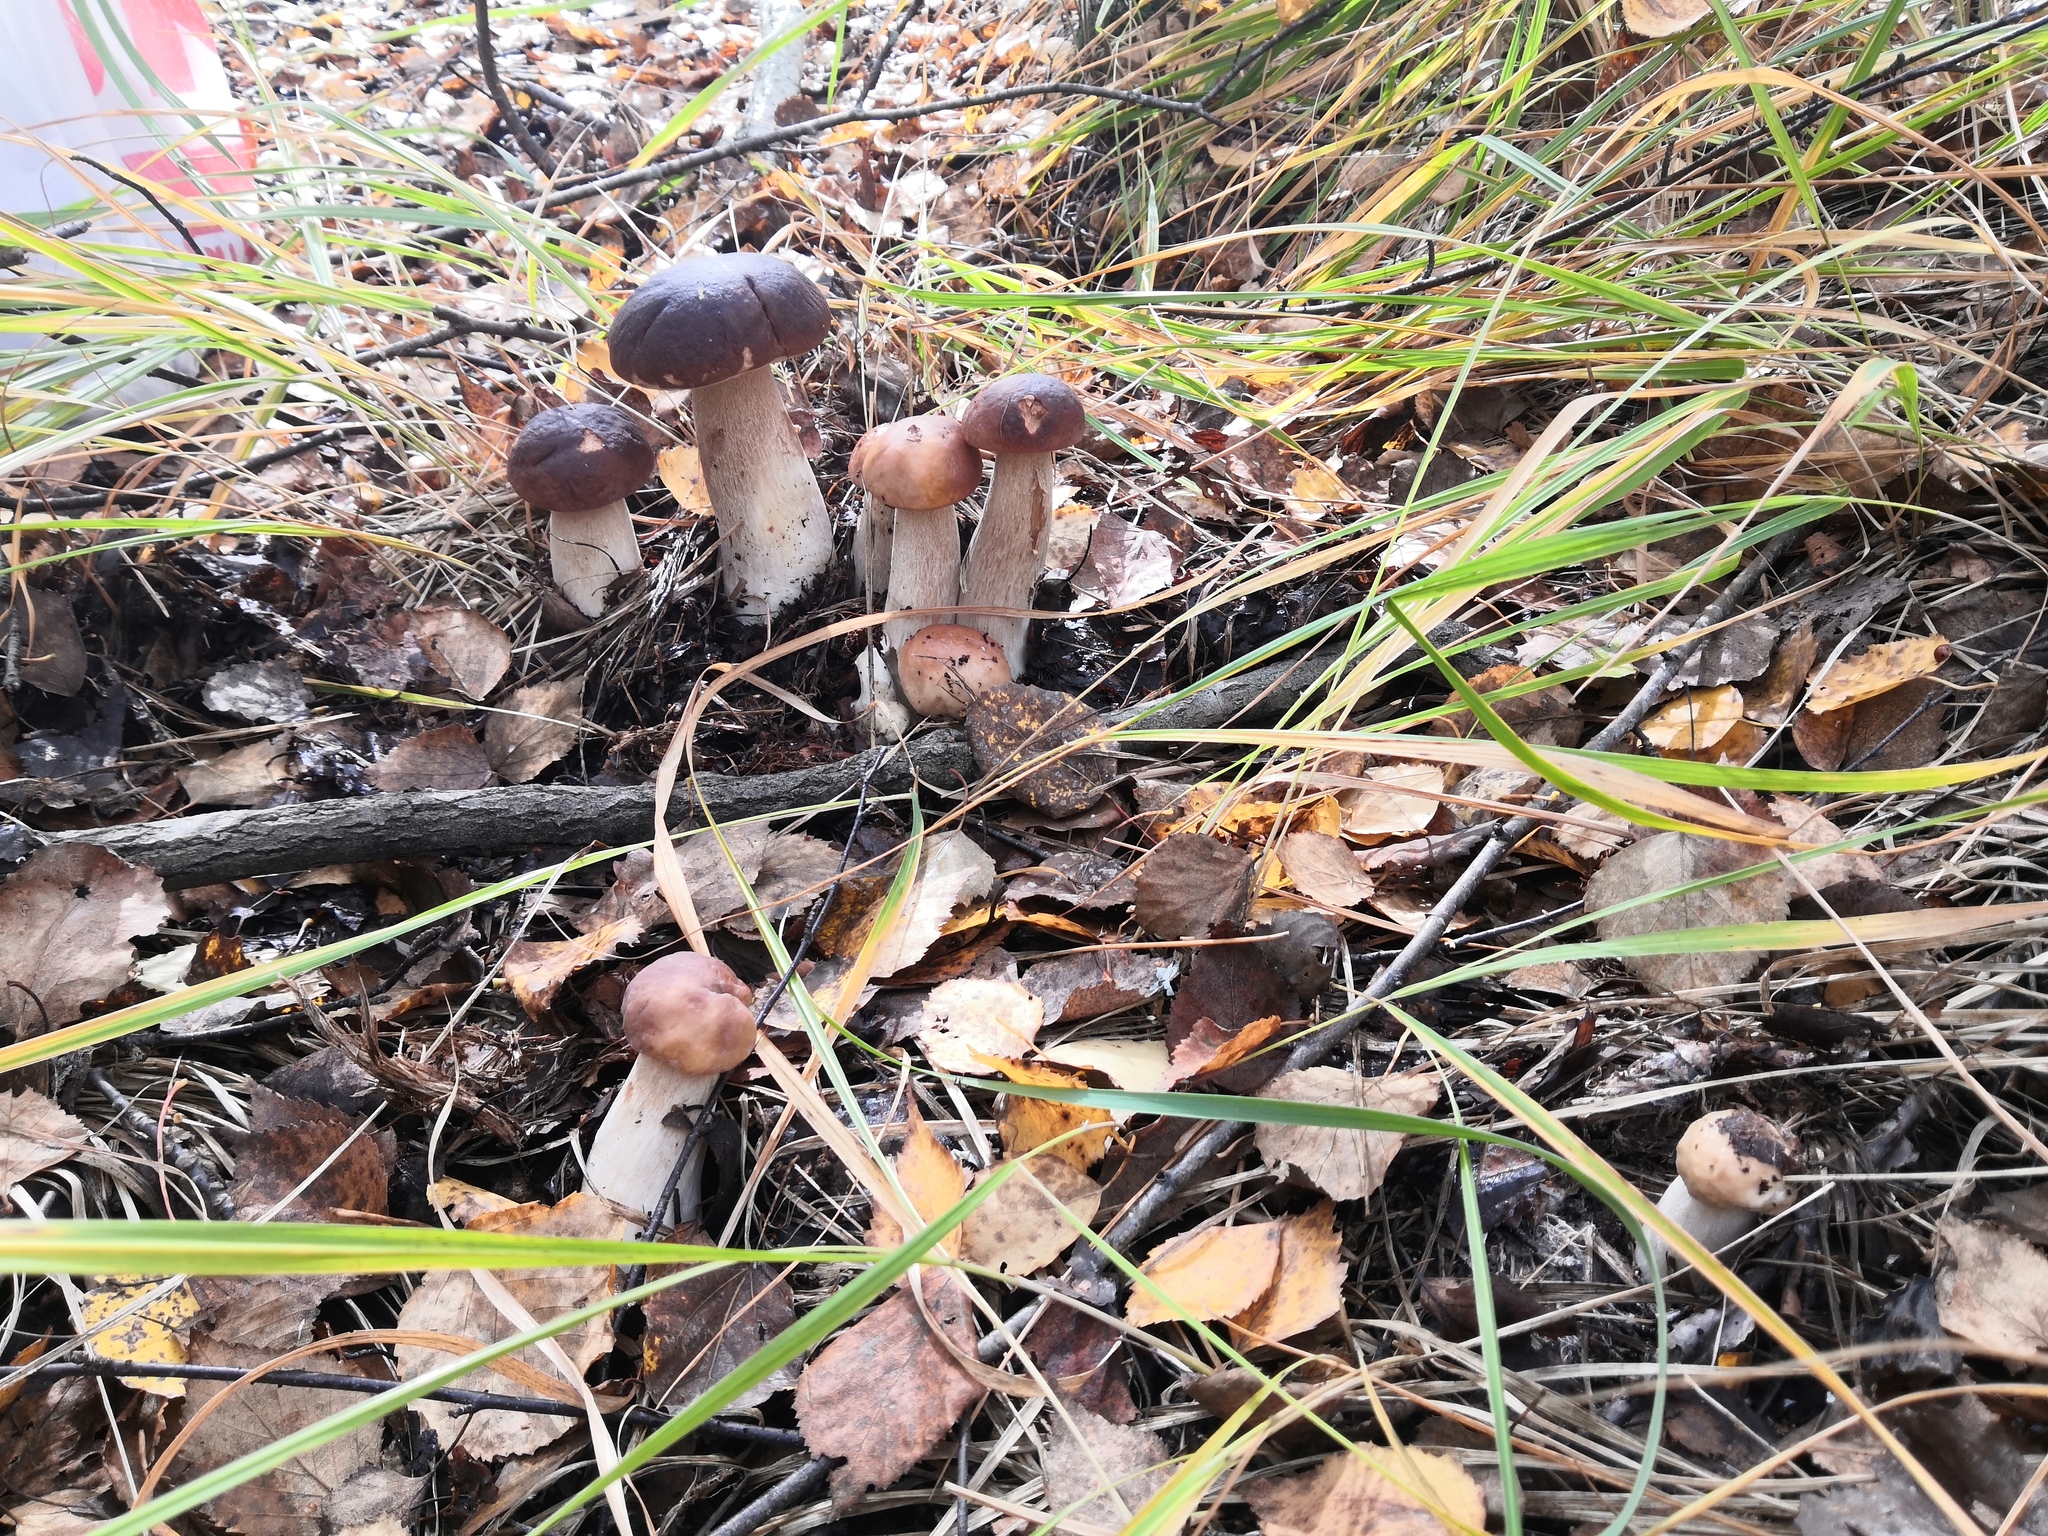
{"points": [[1992, 1288], [1876, 670], [447, 757], [1771, 699], [953, 870], [1308, 1279], [1735, 652], [1345, 1165], [463, 646], [1139, 1066], [1087, 986], [1904, 727], [701, 1330], [52, 649], [1019, 1229], [1099, 1474], [539, 725], [1216, 1272], [883, 1394], [1324, 869], [1084, 1357], [1018, 727], [1228, 987], [153, 1334], [1125, 565], [35, 1134], [1086, 880], [68, 914], [968, 1019], [929, 1178], [1695, 720], [1190, 884], [258, 690], [288, 1140], [1371, 1491], [246, 776], [1666, 860], [1028, 1124], [1406, 805]]}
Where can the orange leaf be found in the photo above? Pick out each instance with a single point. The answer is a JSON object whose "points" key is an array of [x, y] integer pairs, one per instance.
{"points": [[1217, 1272], [1695, 720], [930, 1179], [1878, 670], [1308, 1281]]}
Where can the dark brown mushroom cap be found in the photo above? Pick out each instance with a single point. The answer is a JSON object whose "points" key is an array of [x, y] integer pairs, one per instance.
{"points": [[918, 465], [573, 458], [1025, 413], [712, 318]]}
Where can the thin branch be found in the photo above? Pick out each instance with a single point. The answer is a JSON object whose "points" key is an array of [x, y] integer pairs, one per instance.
{"points": [[181, 1157], [788, 1493], [515, 120]]}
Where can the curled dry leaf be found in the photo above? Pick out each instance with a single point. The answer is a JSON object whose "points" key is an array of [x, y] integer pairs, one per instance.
{"points": [[1207, 1049], [1190, 884], [1019, 1229], [1343, 1164], [1308, 1280], [1406, 804], [1372, 1491], [1770, 700], [539, 725], [447, 757], [1695, 720], [1028, 1124], [1098, 1474], [968, 1020], [1324, 870], [68, 914], [952, 871], [463, 646], [1877, 670], [1216, 1272], [929, 1179]]}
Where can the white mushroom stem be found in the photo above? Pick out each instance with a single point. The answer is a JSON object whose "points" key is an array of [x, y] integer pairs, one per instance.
{"points": [[1713, 1227], [924, 570], [879, 706], [1007, 551], [872, 543], [635, 1148], [588, 551], [772, 520]]}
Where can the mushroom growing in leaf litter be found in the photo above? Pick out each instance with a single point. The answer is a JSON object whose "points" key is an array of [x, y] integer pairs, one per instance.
{"points": [[1023, 420], [715, 325], [946, 667], [1731, 1170], [578, 463], [692, 1020], [913, 472]]}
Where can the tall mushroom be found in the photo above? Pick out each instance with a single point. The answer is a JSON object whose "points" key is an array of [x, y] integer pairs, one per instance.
{"points": [[578, 463], [714, 325], [1023, 420], [690, 1019], [913, 472]]}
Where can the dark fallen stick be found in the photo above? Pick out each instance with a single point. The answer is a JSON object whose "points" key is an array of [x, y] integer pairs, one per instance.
{"points": [[792, 1490], [180, 1156]]}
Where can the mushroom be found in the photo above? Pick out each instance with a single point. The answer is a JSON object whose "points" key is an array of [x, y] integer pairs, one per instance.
{"points": [[1023, 420], [913, 472], [713, 325], [946, 667], [578, 463], [692, 1020], [1731, 1169]]}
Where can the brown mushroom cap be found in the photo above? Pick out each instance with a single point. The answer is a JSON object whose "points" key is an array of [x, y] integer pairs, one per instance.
{"points": [[1025, 413], [692, 1012], [1737, 1159], [711, 318], [574, 458], [918, 465], [945, 667]]}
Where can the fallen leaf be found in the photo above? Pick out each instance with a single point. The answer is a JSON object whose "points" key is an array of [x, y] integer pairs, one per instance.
{"points": [[462, 1203], [39, 1517], [1406, 805], [287, 1500], [246, 776], [288, 1140], [1695, 720], [1666, 860], [1189, 885], [447, 757], [1291, 11], [1137, 1066], [953, 870], [1080, 879], [1019, 1229], [884, 1394], [258, 690], [683, 473], [539, 725], [68, 914], [1371, 1491], [1216, 1272], [52, 650], [1079, 987], [1098, 1474], [1992, 1287], [1313, 492], [929, 1178], [52, 1437], [1543, 717], [969, 1019], [1125, 565], [1891, 1503], [700, 1331], [1025, 1125], [1343, 1164], [1877, 670], [34, 1135], [1771, 699], [1905, 727], [1736, 652], [450, 1301], [1230, 985], [536, 969], [1809, 825], [152, 1335], [463, 646], [1209, 1050], [1308, 1280], [1083, 1356], [1018, 727], [1323, 869]]}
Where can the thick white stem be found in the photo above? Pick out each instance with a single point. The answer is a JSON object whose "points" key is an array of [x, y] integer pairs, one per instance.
{"points": [[588, 551], [634, 1150], [1007, 551], [873, 540], [1714, 1227], [924, 570], [776, 533]]}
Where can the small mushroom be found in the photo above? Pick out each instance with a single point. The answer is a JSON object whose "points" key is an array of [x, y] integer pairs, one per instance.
{"points": [[1731, 1170], [691, 1019], [578, 463], [1023, 420], [913, 472], [713, 325], [946, 667]]}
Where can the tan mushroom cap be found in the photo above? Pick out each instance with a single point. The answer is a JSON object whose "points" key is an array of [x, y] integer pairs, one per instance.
{"points": [[917, 465], [1737, 1159], [692, 1012], [943, 668]]}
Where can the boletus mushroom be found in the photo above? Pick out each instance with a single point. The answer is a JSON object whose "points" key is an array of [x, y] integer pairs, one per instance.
{"points": [[1023, 420], [692, 1020], [1731, 1171], [578, 463], [913, 472], [715, 325], [945, 667]]}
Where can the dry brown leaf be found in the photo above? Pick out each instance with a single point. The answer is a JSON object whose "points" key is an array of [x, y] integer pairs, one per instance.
{"points": [[1308, 1280], [1028, 1124], [1405, 806], [883, 1393], [1324, 870], [1695, 720], [1138, 1066], [288, 1139], [462, 1203], [1770, 700], [1993, 1288], [1018, 727], [1904, 727], [1664, 18], [536, 969], [447, 757], [929, 1178], [1077, 987], [1099, 1474], [451, 1302], [683, 473], [1125, 565], [1191, 884], [1216, 1272], [970, 1019], [1208, 1049], [1345, 1165], [1372, 1491], [1083, 1356], [953, 870], [35, 1134], [1877, 670], [246, 776], [52, 648], [68, 914], [464, 646], [1808, 825], [541, 723], [1666, 860], [1019, 1229], [700, 1331]]}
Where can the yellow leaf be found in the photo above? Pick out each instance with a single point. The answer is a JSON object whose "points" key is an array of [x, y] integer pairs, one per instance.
{"points": [[1878, 670], [1291, 11], [1663, 18], [145, 1337], [1019, 1228], [1028, 1124], [1138, 1066], [1314, 492], [1217, 1272], [683, 474], [1308, 1281], [930, 1179], [1695, 720], [969, 1019]]}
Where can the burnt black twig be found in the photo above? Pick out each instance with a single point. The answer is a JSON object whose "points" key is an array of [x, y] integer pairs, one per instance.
{"points": [[137, 185]]}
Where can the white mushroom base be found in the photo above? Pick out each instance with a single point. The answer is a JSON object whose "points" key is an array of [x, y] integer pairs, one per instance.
{"points": [[629, 1162], [774, 531], [588, 551]]}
